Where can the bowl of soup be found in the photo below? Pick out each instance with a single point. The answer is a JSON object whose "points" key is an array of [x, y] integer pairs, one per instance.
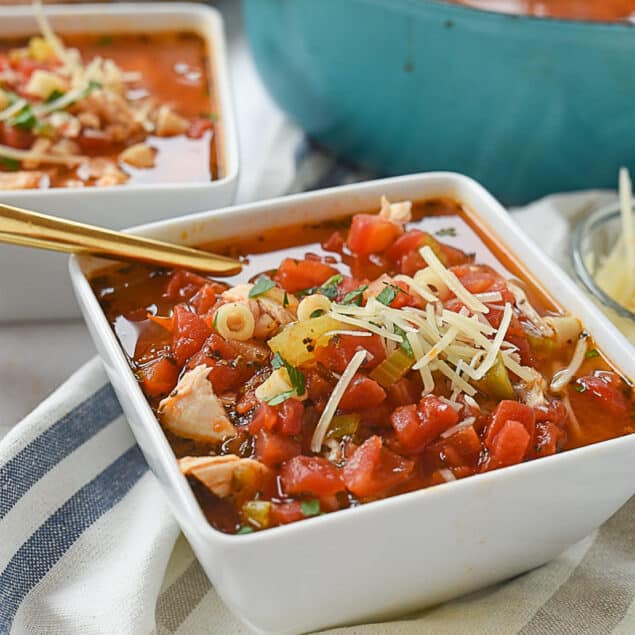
{"points": [[529, 98], [399, 400], [108, 114]]}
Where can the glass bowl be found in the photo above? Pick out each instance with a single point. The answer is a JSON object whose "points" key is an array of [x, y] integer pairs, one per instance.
{"points": [[592, 241]]}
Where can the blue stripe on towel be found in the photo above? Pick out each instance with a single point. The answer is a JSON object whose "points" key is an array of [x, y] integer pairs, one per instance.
{"points": [[20, 473], [54, 537]]}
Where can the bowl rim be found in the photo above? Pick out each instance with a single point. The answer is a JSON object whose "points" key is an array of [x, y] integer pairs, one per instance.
{"points": [[581, 229], [544, 19], [216, 53], [191, 510]]}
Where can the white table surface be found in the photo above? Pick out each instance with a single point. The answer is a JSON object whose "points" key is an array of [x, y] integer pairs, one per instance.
{"points": [[35, 358]]}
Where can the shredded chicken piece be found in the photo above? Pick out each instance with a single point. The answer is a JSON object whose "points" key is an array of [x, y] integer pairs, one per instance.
{"points": [[169, 124], [225, 475], [140, 155], [269, 315], [532, 392], [398, 213], [193, 410], [21, 180]]}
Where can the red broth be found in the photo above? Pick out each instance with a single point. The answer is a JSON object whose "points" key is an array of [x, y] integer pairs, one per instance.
{"points": [[587, 10], [386, 437], [172, 70]]}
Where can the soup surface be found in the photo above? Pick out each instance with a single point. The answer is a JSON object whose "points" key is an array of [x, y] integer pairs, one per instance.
{"points": [[355, 360], [106, 110], [592, 10]]}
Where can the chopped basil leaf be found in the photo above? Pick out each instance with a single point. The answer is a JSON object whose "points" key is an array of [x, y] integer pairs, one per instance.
{"points": [[55, 94], [387, 295], [355, 296], [592, 353], [10, 165], [25, 119], [328, 289], [579, 388], [405, 344], [262, 285], [311, 507], [334, 279], [446, 231], [295, 376], [285, 300], [276, 400], [245, 529]]}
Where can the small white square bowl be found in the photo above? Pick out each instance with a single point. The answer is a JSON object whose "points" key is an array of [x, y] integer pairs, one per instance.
{"points": [[34, 285], [406, 552]]}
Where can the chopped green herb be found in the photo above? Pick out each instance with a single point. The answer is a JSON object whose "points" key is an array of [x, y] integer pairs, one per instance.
{"points": [[446, 231], [387, 295], [355, 296], [317, 313], [328, 289], [215, 322], [579, 388], [334, 279], [245, 529], [104, 40], [25, 119], [55, 94], [295, 376], [262, 285], [310, 507], [276, 400], [10, 165], [93, 84], [285, 300], [405, 344], [44, 129], [592, 353]]}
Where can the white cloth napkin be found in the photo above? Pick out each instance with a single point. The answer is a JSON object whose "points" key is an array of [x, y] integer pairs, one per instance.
{"points": [[87, 544]]}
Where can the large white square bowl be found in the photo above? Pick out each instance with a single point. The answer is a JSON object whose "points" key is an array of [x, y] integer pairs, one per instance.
{"points": [[409, 551], [34, 285]]}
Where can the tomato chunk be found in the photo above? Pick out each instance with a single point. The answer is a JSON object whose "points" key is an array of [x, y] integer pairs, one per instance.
{"points": [[284, 513], [607, 389], [339, 351], [370, 234], [510, 410], [417, 427], [362, 392], [297, 275], [190, 333], [374, 470], [509, 446], [311, 475], [273, 449], [183, 285], [159, 377]]}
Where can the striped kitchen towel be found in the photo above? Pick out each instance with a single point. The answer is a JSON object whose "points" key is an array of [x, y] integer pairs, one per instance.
{"points": [[87, 544]]}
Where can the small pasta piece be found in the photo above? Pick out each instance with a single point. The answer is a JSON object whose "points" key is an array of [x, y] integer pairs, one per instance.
{"points": [[311, 304], [235, 321], [428, 278], [567, 328]]}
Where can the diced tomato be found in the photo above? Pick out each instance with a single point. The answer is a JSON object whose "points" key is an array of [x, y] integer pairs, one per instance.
{"points": [[417, 427], [310, 475], [284, 513], [410, 241], [373, 470], [296, 275], [509, 446], [159, 377], [404, 392], [206, 298], [371, 234], [461, 449], [508, 410], [273, 449], [265, 418], [15, 137], [183, 285], [347, 285], [607, 389], [362, 392], [94, 142], [453, 256], [27, 66], [411, 262], [335, 242], [190, 333], [290, 413], [318, 388], [199, 127], [548, 435], [339, 351]]}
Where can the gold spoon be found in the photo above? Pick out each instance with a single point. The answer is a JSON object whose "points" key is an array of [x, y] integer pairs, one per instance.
{"points": [[30, 229]]}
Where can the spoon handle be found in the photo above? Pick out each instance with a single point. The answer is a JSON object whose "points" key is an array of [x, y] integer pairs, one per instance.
{"points": [[31, 229]]}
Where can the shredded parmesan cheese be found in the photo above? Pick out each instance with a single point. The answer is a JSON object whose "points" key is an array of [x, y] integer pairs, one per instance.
{"points": [[334, 400], [14, 109], [29, 155], [562, 378]]}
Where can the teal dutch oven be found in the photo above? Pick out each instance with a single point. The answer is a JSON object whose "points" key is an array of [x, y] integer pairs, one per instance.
{"points": [[527, 106]]}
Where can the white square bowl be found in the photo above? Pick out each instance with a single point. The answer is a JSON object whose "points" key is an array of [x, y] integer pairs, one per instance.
{"points": [[409, 551], [41, 289]]}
